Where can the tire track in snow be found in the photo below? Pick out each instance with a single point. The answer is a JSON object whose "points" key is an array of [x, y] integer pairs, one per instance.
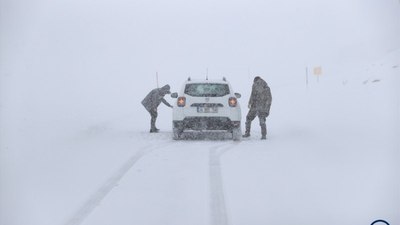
{"points": [[95, 199], [219, 215]]}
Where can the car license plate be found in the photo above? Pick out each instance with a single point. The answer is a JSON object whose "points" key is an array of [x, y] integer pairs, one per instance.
{"points": [[202, 109]]}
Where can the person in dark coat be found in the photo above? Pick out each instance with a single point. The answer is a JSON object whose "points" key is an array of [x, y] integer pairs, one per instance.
{"points": [[152, 101], [259, 105]]}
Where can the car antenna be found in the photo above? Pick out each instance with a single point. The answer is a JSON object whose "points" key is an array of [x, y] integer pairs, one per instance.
{"points": [[207, 75], [223, 78]]}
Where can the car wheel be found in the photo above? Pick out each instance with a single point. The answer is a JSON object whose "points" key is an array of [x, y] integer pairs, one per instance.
{"points": [[177, 133], [237, 134]]}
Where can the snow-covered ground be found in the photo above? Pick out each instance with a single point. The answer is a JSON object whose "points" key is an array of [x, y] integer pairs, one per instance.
{"points": [[75, 147], [331, 158]]}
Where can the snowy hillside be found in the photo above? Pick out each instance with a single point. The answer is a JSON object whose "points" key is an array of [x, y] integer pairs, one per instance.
{"points": [[74, 142]]}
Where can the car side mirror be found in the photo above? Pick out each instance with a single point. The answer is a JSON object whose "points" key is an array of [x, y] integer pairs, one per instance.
{"points": [[238, 95], [174, 95]]}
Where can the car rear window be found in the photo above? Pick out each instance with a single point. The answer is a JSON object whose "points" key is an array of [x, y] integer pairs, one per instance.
{"points": [[207, 90]]}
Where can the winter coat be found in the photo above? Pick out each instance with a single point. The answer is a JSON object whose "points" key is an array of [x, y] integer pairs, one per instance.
{"points": [[155, 97], [261, 97]]}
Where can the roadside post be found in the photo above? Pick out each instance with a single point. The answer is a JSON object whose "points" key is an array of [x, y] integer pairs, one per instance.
{"points": [[318, 72]]}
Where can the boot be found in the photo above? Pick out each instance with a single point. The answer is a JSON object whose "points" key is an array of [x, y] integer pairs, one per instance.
{"points": [[246, 135], [247, 132], [154, 130], [263, 132]]}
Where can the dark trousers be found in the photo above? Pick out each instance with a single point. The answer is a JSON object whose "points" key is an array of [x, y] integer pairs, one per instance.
{"points": [[153, 114], [262, 116]]}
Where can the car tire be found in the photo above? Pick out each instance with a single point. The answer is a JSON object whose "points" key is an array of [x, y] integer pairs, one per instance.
{"points": [[237, 134], [177, 134]]}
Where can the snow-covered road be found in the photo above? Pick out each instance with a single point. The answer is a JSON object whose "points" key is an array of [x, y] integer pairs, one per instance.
{"points": [[95, 199], [191, 186]]}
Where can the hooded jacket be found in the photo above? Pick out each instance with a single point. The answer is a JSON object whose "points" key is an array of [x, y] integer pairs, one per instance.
{"points": [[261, 97], [155, 97]]}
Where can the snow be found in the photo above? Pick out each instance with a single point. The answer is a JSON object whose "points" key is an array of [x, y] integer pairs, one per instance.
{"points": [[74, 142]]}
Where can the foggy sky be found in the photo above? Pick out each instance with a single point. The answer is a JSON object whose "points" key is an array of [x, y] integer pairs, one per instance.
{"points": [[190, 36], [90, 53]]}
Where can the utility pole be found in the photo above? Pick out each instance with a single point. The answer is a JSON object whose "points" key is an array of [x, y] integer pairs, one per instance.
{"points": [[306, 76], [157, 79]]}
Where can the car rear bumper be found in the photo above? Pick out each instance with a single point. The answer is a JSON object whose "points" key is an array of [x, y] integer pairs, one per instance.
{"points": [[206, 123]]}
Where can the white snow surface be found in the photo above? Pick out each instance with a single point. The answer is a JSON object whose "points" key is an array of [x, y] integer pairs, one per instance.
{"points": [[74, 142]]}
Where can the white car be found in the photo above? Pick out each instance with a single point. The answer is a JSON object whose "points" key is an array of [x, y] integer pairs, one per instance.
{"points": [[207, 105]]}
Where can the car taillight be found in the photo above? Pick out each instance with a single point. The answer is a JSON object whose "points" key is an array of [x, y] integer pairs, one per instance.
{"points": [[232, 102], [181, 101]]}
